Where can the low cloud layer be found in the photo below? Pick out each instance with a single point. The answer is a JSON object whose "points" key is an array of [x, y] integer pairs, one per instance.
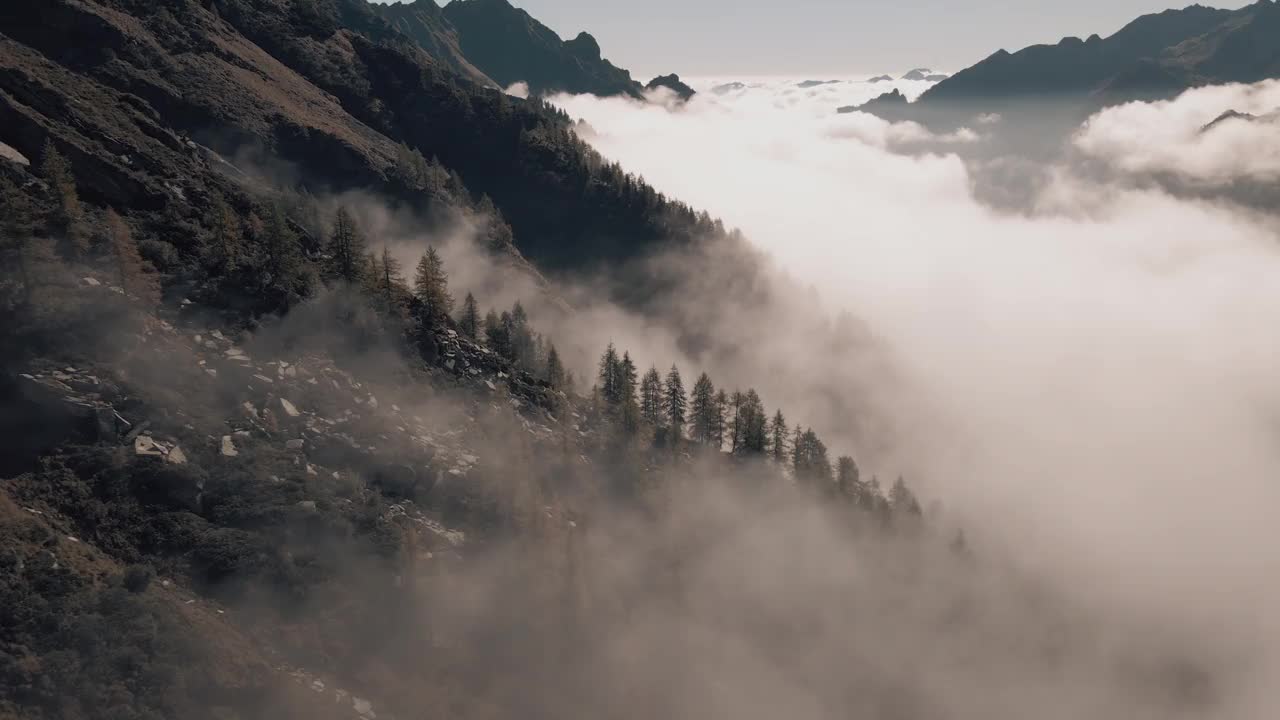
{"points": [[1211, 135], [1091, 384]]}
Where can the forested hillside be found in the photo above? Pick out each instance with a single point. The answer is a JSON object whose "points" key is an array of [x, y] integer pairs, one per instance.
{"points": [[292, 426]]}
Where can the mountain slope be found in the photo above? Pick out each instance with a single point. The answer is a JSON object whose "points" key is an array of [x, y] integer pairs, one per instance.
{"points": [[424, 23], [329, 88], [510, 46]]}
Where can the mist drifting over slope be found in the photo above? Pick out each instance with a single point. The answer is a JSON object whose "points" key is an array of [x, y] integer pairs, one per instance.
{"points": [[1092, 382]]}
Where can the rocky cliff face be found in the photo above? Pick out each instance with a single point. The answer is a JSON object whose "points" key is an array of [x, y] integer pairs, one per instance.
{"points": [[424, 23], [672, 82], [510, 46]]}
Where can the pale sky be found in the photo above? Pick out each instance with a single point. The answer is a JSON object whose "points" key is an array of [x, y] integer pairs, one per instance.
{"points": [[836, 37]]}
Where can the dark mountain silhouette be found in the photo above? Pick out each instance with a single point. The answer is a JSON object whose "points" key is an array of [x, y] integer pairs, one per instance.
{"points": [[1154, 55], [1042, 92], [510, 46], [672, 82], [881, 78], [891, 106]]}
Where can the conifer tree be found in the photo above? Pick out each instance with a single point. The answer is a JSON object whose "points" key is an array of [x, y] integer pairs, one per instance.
{"points": [[627, 378], [651, 402], [720, 418], [873, 494], [390, 282], [345, 250], [508, 325], [902, 500], [809, 457], [555, 369], [15, 233], [282, 259], [495, 333], [130, 270], [702, 409], [469, 322], [226, 247], [736, 401], [778, 446], [675, 403], [521, 338], [754, 435], [67, 220], [847, 481], [431, 286], [610, 376]]}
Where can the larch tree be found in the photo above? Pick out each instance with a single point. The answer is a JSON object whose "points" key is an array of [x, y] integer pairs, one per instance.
{"points": [[555, 368], [469, 321], [702, 409], [719, 416], [736, 423], [627, 378], [651, 404], [675, 403], [345, 250], [282, 269], [16, 230], [130, 269], [389, 281], [495, 335], [522, 342], [778, 446], [431, 286], [610, 376], [847, 479], [753, 423], [67, 219], [226, 244], [902, 500], [508, 324]]}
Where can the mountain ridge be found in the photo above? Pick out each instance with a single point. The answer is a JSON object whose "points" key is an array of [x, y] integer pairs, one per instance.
{"points": [[508, 45]]}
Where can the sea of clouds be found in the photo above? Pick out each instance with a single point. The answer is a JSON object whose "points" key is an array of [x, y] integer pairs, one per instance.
{"points": [[1092, 380]]}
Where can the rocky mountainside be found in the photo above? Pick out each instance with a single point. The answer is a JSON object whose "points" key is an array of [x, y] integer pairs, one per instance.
{"points": [[330, 89], [510, 46], [673, 83], [423, 22]]}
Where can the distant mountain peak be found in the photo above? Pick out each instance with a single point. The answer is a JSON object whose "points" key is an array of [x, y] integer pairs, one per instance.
{"points": [[585, 46], [673, 83]]}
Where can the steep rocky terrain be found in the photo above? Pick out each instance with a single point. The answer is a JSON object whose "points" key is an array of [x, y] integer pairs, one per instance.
{"points": [[510, 46], [424, 22], [673, 83], [334, 92]]}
